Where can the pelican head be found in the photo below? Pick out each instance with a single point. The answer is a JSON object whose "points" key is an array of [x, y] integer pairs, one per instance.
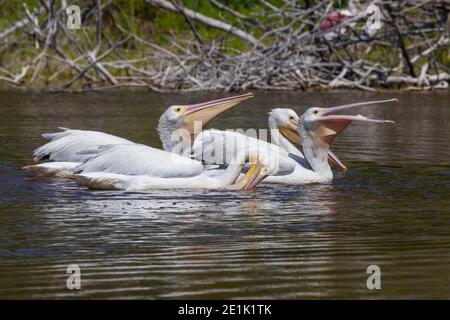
{"points": [[286, 121], [184, 116], [322, 125]]}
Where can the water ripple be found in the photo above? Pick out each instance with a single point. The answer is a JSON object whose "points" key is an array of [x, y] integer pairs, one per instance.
{"points": [[391, 209]]}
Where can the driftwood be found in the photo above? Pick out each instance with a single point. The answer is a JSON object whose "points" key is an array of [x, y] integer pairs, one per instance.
{"points": [[287, 48]]}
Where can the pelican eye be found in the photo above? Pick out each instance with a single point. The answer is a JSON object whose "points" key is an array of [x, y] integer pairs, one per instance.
{"points": [[178, 109], [291, 118], [315, 111]]}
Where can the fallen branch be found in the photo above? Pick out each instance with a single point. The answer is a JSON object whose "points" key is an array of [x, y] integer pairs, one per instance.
{"points": [[206, 20]]}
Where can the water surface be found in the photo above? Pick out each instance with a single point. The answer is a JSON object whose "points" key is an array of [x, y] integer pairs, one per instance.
{"points": [[391, 209]]}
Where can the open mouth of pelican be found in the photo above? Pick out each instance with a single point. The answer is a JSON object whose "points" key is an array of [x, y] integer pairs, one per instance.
{"points": [[207, 111], [250, 179], [335, 160], [291, 133], [330, 124]]}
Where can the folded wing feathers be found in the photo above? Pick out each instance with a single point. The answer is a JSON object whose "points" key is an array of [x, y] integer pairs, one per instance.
{"points": [[137, 159], [74, 145], [102, 181], [59, 169]]}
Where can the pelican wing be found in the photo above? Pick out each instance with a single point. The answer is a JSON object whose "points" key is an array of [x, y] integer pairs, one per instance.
{"points": [[59, 169], [138, 159], [220, 147], [74, 145]]}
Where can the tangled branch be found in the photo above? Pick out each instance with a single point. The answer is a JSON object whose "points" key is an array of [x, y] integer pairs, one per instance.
{"points": [[285, 47]]}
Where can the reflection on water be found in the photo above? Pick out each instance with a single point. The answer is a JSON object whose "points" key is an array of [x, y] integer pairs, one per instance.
{"points": [[391, 209]]}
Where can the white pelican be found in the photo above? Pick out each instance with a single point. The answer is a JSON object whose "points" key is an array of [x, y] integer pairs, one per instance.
{"points": [[283, 125], [218, 147], [226, 179], [317, 128], [70, 148], [293, 166]]}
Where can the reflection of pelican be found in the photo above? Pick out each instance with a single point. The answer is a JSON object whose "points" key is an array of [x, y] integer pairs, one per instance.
{"points": [[318, 127], [174, 177], [71, 147]]}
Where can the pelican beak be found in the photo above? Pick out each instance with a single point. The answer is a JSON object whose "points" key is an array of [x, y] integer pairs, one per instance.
{"points": [[207, 111], [329, 124], [250, 179], [335, 160], [290, 132]]}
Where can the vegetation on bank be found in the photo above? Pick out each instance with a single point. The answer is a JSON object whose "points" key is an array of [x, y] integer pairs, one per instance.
{"points": [[168, 45]]}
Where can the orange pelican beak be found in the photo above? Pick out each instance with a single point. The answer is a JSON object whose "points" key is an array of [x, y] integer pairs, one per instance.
{"points": [[207, 111], [329, 124], [254, 175], [290, 132]]}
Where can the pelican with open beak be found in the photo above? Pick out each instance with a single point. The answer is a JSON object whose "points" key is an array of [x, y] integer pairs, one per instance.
{"points": [[217, 147], [326, 124], [73, 148], [317, 129], [286, 122]]}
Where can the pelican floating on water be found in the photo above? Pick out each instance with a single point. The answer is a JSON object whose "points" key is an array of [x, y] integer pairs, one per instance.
{"points": [[317, 128], [294, 167], [71, 148], [225, 179], [129, 166], [283, 125], [218, 147]]}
